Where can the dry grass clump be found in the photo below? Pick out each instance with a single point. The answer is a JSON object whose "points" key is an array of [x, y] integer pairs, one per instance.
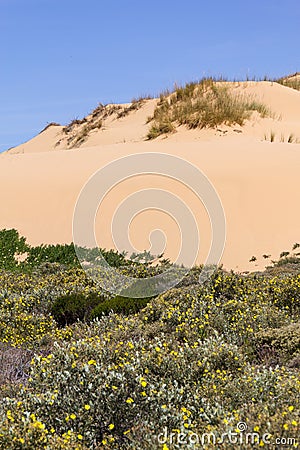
{"points": [[51, 124], [290, 139], [136, 103], [162, 126], [105, 111], [205, 104], [75, 122], [78, 130], [83, 133]]}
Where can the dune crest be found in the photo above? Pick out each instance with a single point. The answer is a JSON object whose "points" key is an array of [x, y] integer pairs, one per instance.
{"points": [[125, 123]]}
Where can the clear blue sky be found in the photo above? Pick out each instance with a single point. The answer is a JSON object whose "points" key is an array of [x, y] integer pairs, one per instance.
{"points": [[59, 58]]}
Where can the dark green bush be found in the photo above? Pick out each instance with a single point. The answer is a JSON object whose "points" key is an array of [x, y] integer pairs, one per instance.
{"points": [[70, 308], [11, 244], [60, 253], [112, 257], [121, 305]]}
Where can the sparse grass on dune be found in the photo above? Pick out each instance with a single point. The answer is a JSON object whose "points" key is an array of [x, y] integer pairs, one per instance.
{"points": [[207, 103], [289, 139], [204, 104], [136, 103], [291, 81], [49, 125], [78, 130]]}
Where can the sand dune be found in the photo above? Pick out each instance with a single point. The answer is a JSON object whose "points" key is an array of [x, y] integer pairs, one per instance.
{"points": [[257, 180], [125, 124]]}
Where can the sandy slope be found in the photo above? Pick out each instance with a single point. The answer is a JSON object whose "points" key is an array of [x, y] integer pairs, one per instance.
{"points": [[257, 180], [43, 142]]}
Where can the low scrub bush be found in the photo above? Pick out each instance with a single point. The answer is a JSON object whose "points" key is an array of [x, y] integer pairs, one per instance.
{"points": [[70, 308], [11, 244], [283, 343], [50, 257], [120, 305]]}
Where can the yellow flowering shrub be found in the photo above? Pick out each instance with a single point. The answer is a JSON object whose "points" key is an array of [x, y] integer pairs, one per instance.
{"points": [[190, 361]]}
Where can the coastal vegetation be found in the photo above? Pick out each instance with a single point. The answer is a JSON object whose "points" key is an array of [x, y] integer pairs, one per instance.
{"points": [[83, 369]]}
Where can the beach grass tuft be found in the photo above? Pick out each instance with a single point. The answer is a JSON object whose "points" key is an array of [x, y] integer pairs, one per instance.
{"points": [[204, 104]]}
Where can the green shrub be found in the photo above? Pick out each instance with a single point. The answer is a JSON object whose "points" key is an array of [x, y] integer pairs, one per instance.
{"points": [[68, 309], [11, 244], [112, 257], [59, 253], [120, 305]]}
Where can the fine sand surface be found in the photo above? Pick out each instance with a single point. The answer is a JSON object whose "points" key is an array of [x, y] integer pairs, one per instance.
{"points": [[257, 180]]}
